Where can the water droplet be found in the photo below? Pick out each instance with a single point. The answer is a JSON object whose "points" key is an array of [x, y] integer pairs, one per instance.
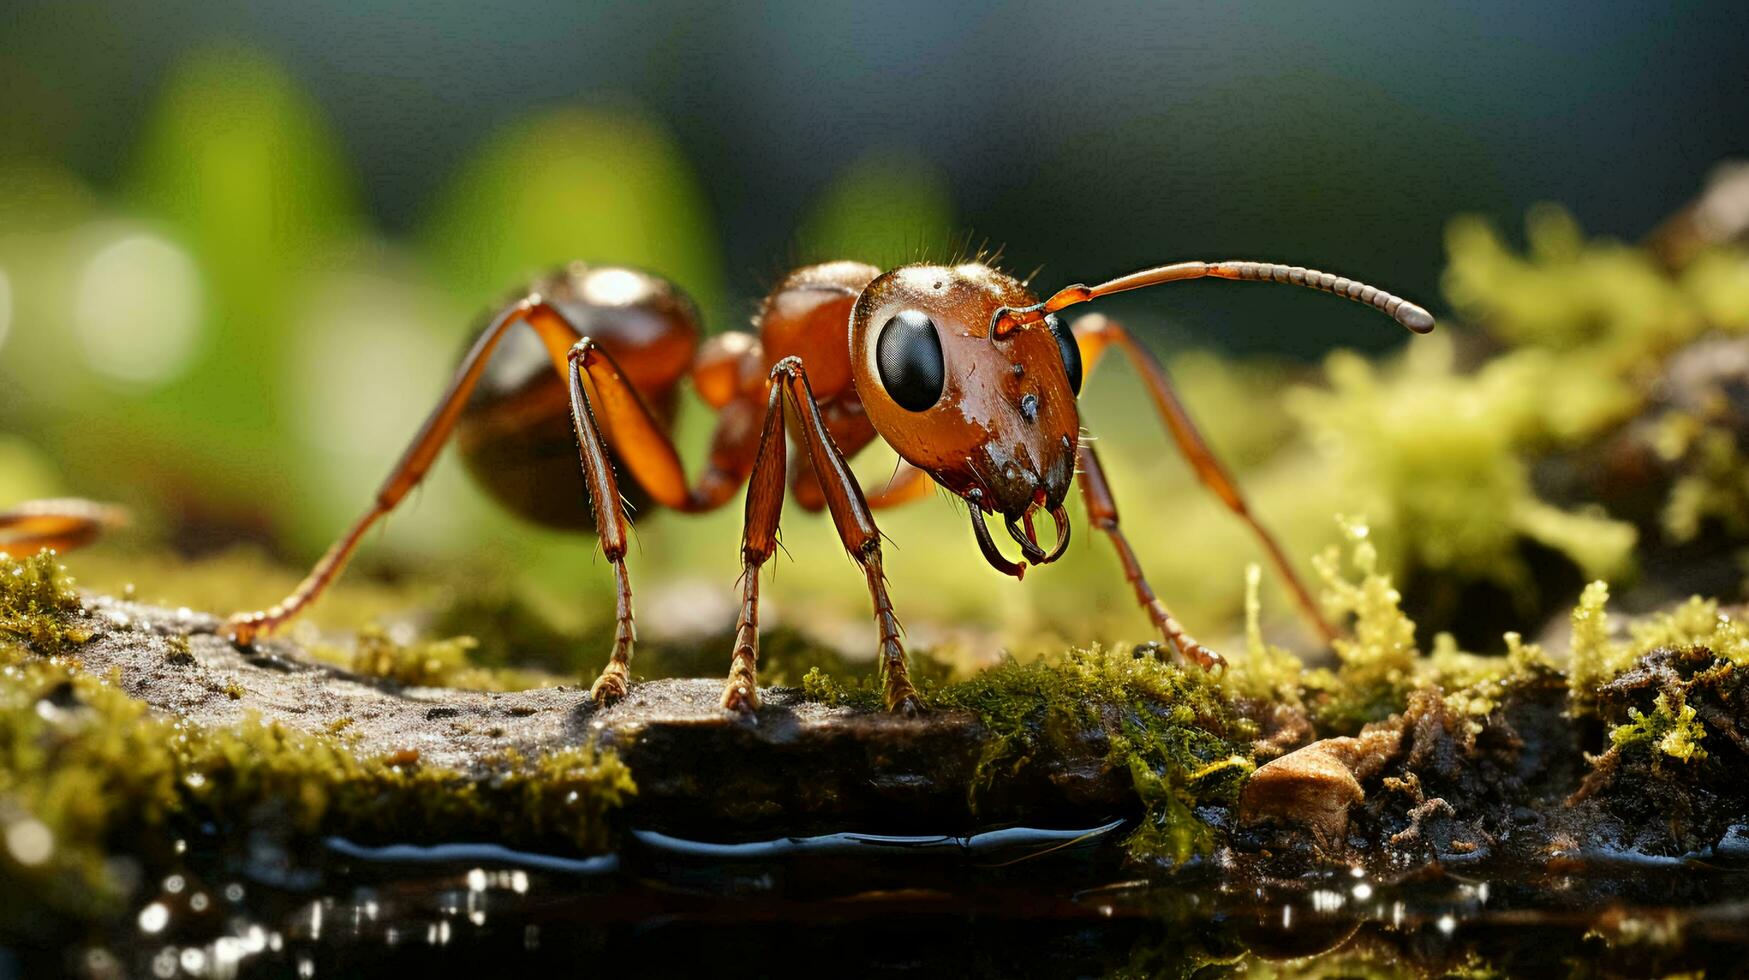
{"points": [[154, 917]]}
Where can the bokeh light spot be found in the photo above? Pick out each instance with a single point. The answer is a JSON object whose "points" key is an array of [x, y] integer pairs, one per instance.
{"points": [[30, 842], [137, 310]]}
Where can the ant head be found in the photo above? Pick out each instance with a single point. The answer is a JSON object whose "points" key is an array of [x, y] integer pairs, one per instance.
{"points": [[991, 416]]}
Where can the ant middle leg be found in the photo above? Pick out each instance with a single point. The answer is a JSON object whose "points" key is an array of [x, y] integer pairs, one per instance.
{"points": [[851, 433], [1093, 333], [1102, 514]]}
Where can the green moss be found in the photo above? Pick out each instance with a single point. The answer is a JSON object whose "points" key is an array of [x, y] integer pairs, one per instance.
{"points": [[1438, 459], [1379, 664], [246, 578], [787, 658], [1713, 480], [1475, 685], [1378, 659], [36, 599], [1266, 672], [427, 663], [818, 685], [1671, 730], [95, 769], [1566, 292], [1173, 729], [1598, 656], [1595, 656], [181, 653]]}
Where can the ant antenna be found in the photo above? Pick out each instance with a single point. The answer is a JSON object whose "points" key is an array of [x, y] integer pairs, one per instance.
{"points": [[1404, 312]]}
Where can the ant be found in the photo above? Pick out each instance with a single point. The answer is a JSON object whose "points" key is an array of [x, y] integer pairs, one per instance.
{"points": [[959, 368]]}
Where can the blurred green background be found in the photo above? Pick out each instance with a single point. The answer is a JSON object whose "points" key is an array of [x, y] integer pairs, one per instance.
{"points": [[241, 245]]}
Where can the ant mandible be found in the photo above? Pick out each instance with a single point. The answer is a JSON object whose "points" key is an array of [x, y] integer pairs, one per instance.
{"points": [[959, 368]]}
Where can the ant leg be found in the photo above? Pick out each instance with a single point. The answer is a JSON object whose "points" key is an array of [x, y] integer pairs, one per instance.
{"points": [[645, 447], [57, 525], [758, 541], [906, 484], [1102, 514], [1092, 334], [650, 455], [411, 468], [765, 492], [610, 523], [856, 527]]}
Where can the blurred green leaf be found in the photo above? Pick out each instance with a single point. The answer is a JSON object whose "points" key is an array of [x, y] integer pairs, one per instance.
{"points": [[586, 184], [239, 167], [887, 208]]}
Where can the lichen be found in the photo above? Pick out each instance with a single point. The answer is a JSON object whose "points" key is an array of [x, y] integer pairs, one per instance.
{"points": [[1172, 728]]}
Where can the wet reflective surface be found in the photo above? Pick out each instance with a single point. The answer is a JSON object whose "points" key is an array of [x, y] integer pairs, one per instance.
{"points": [[1006, 903]]}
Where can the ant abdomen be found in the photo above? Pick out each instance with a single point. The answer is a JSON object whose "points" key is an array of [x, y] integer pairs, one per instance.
{"points": [[515, 434]]}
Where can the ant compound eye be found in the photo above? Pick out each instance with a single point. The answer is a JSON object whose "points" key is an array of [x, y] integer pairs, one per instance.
{"points": [[908, 359], [1068, 349]]}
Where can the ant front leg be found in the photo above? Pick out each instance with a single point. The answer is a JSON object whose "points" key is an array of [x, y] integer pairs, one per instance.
{"points": [[758, 541], [1093, 333], [1102, 514], [851, 516]]}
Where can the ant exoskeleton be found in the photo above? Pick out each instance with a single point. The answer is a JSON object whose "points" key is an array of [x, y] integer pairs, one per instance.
{"points": [[960, 369]]}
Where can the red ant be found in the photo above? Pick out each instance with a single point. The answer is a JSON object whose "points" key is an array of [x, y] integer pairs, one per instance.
{"points": [[960, 369]]}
